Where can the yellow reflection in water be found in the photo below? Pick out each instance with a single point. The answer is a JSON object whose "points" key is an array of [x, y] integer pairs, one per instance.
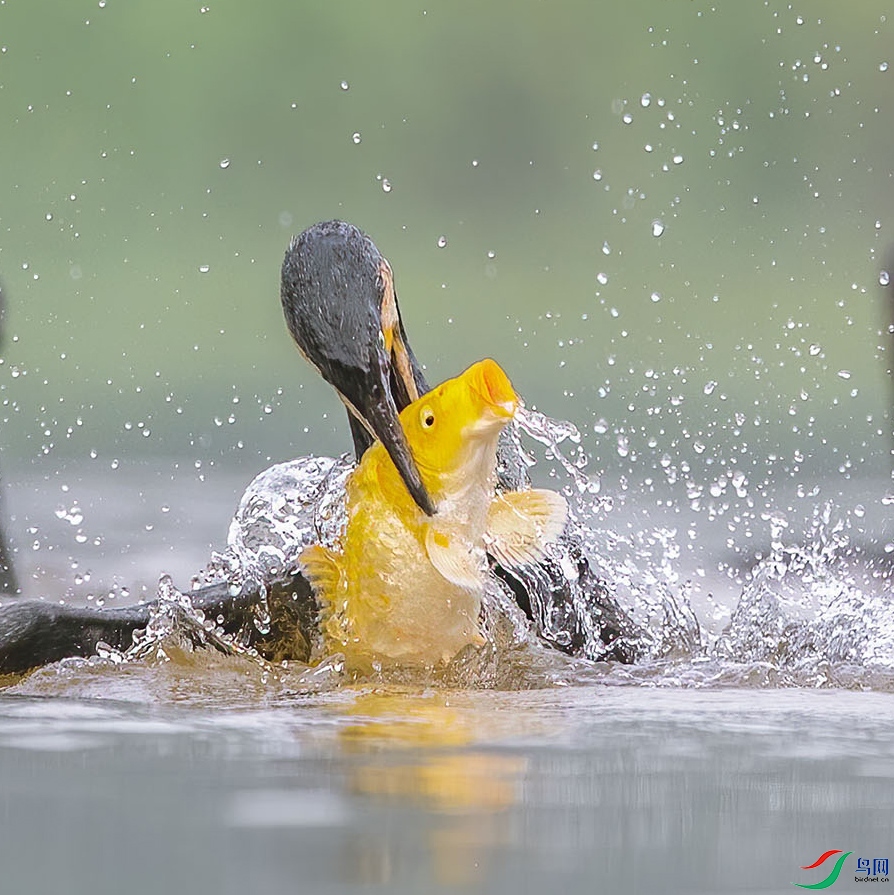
{"points": [[417, 752]]}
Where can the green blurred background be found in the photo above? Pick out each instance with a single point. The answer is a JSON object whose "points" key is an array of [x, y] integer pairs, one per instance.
{"points": [[514, 161]]}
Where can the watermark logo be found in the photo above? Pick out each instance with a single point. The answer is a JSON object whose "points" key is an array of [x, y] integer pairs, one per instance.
{"points": [[873, 870], [833, 876]]}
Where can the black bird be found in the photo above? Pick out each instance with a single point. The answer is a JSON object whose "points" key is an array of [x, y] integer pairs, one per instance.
{"points": [[341, 308]]}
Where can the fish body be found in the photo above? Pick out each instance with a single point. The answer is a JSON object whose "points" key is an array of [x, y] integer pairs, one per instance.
{"points": [[405, 588]]}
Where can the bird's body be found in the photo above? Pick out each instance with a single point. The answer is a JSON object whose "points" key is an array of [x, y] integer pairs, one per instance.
{"points": [[405, 589]]}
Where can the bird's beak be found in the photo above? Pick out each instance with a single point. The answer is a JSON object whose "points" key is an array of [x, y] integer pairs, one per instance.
{"points": [[380, 419], [398, 382]]}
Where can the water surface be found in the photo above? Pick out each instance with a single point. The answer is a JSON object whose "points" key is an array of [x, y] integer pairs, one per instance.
{"points": [[583, 789]]}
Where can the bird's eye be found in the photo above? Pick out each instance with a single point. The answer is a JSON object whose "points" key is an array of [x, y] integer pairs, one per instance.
{"points": [[427, 418]]}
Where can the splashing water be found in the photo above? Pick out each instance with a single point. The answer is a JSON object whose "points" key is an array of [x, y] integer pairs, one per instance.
{"points": [[816, 611], [283, 510], [173, 620], [809, 614], [552, 433], [812, 612]]}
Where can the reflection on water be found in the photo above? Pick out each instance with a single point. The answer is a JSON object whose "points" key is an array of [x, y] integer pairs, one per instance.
{"points": [[420, 753], [587, 789]]}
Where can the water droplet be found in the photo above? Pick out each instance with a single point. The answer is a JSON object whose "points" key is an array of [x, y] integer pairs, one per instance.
{"points": [[755, 200], [442, 242], [595, 147], [859, 511], [627, 118], [224, 163], [606, 248], [884, 278], [645, 100], [709, 387], [678, 159], [656, 296], [344, 85], [356, 137], [601, 278], [386, 185], [883, 66], [204, 268], [657, 227], [597, 174], [844, 374], [815, 349], [49, 216]]}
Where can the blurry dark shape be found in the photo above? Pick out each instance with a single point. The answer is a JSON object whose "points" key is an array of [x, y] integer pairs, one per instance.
{"points": [[8, 582], [886, 279]]}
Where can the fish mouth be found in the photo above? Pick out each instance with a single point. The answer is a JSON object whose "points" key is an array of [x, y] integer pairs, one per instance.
{"points": [[493, 386]]}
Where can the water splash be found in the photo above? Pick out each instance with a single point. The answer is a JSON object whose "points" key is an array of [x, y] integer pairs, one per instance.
{"points": [[551, 433], [174, 623], [286, 508], [807, 615], [814, 609]]}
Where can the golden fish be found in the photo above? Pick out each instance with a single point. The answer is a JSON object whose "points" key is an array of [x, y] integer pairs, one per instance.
{"points": [[405, 589]]}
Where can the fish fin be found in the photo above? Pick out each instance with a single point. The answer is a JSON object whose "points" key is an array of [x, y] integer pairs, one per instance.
{"points": [[452, 559], [320, 566], [520, 524]]}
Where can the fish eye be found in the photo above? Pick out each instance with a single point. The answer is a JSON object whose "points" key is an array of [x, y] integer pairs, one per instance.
{"points": [[427, 418]]}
